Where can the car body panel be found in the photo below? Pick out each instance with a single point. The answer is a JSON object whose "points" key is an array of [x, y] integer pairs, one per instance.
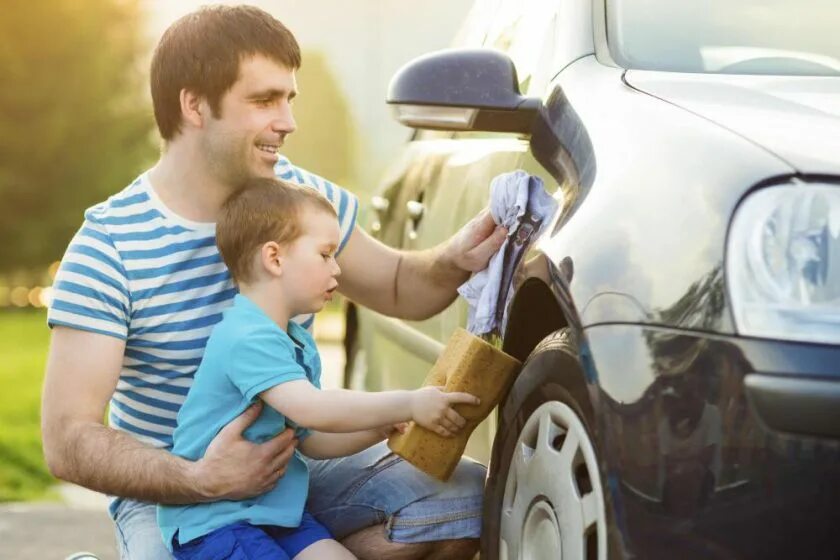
{"points": [[693, 471], [625, 270], [795, 117]]}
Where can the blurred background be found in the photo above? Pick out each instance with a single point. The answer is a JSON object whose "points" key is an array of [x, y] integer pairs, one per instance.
{"points": [[76, 125]]}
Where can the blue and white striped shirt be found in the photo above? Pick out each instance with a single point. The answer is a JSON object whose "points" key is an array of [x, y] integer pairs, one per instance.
{"points": [[139, 272]]}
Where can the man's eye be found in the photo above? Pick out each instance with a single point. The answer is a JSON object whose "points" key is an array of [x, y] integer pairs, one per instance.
{"points": [[264, 102]]}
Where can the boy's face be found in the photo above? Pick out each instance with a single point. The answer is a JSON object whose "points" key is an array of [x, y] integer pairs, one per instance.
{"points": [[254, 117], [309, 266]]}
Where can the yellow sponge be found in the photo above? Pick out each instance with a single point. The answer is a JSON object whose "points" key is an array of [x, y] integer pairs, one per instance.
{"points": [[471, 365]]}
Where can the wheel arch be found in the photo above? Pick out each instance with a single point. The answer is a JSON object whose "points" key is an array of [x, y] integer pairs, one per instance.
{"points": [[534, 315]]}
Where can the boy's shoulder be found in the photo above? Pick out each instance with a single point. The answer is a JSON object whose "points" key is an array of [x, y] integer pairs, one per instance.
{"points": [[241, 326]]}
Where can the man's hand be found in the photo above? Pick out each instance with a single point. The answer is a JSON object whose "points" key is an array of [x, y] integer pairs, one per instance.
{"points": [[234, 468], [472, 246], [431, 407], [416, 284]]}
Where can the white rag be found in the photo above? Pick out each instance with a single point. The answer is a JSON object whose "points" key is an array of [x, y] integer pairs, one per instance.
{"points": [[511, 194]]}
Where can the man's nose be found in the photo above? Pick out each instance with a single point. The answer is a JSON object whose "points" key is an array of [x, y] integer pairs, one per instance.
{"points": [[284, 120], [337, 269]]}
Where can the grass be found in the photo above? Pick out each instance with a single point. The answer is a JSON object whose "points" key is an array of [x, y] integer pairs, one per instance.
{"points": [[23, 351]]}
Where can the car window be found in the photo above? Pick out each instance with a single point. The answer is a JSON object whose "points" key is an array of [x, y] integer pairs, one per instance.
{"points": [[476, 25], [523, 30], [721, 36]]}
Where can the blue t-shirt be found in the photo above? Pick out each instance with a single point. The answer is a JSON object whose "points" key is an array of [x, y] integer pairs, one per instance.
{"points": [[247, 353]]}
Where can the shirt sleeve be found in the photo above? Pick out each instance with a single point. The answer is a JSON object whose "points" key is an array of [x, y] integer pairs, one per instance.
{"points": [[261, 361], [345, 203], [302, 433], [90, 290]]}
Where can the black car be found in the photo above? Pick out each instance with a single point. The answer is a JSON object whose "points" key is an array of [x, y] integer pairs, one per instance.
{"points": [[679, 320]]}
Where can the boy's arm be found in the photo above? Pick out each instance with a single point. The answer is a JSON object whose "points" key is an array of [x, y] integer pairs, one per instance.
{"points": [[321, 445], [77, 387], [342, 411]]}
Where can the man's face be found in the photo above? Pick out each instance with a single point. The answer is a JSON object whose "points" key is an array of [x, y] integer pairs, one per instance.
{"points": [[309, 267], [255, 116]]}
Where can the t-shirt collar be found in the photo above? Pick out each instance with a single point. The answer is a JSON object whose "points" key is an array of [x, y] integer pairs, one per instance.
{"points": [[295, 331]]}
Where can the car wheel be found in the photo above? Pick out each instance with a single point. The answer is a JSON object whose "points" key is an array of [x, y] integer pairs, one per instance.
{"points": [[544, 497]]}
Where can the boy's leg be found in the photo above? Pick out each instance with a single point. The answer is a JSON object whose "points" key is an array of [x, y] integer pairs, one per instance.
{"points": [[309, 541], [377, 488], [138, 534], [325, 550]]}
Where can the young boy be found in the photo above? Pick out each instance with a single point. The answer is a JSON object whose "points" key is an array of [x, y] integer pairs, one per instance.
{"points": [[279, 241]]}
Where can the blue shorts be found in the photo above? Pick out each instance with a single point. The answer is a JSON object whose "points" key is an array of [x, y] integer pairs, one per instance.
{"points": [[242, 541]]}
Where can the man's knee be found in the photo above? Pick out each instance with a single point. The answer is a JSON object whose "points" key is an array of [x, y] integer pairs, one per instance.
{"points": [[467, 480]]}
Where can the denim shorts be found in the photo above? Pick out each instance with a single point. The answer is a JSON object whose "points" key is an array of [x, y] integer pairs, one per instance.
{"points": [[348, 494]]}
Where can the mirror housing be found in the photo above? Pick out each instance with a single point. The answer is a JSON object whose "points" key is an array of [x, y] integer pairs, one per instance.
{"points": [[462, 89]]}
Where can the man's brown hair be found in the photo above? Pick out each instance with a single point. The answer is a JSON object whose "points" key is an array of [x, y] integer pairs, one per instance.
{"points": [[201, 52], [262, 210]]}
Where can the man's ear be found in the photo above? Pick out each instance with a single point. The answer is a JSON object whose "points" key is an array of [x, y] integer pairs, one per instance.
{"points": [[193, 108], [272, 257]]}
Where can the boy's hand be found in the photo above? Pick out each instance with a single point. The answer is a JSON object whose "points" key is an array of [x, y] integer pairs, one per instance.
{"points": [[234, 468], [386, 431], [431, 407]]}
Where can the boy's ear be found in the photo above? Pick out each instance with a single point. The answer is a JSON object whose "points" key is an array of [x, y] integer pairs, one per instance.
{"points": [[192, 108], [272, 256]]}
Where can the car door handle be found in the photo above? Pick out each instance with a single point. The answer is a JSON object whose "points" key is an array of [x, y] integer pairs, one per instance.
{"points": [[380, 207], [792, 404], [415, 210], [380, 204]]}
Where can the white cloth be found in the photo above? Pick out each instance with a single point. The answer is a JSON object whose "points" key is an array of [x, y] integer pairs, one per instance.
{"points": [[511, 194]]}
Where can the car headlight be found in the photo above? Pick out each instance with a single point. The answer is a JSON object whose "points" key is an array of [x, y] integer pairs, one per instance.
{"points": [[783, 263]]}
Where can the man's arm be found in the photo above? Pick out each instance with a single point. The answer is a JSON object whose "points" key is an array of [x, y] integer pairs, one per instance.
{"points": [[416, 284], [82, 372]]}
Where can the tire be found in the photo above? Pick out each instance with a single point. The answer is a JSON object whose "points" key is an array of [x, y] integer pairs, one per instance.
{"points": [[544, 497]]}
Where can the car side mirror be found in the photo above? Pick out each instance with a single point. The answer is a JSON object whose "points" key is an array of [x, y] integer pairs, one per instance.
{"points": [[462, 89]]}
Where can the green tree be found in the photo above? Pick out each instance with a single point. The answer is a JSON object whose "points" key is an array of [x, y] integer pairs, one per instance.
{"points": [[75, 120]]}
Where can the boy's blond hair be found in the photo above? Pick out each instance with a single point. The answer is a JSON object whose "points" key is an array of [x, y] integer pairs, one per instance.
{"points": [[262, 210]]}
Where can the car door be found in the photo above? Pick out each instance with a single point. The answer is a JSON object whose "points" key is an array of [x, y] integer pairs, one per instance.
{"points": [[440, 184]]}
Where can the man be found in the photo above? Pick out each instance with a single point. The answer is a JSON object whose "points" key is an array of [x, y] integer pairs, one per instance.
{"points": [[142, 284]]}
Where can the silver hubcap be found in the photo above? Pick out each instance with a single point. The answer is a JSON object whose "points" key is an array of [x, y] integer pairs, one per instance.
{"points": [[553, 505]]}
